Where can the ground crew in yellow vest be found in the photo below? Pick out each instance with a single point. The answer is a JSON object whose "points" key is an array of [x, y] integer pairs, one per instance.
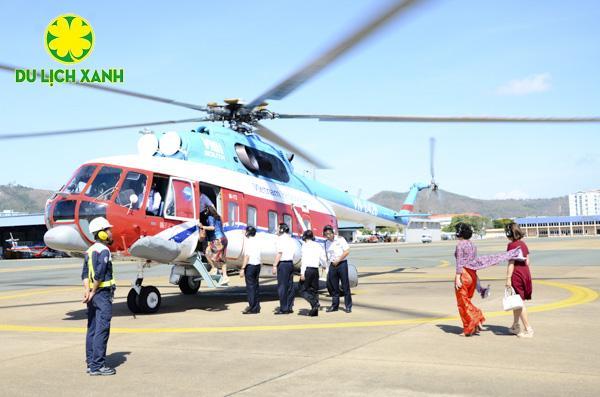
{"points": [[99, 288]]}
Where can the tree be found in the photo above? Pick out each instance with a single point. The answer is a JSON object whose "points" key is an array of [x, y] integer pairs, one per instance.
{"points": [[477, 223], [501, 223]]}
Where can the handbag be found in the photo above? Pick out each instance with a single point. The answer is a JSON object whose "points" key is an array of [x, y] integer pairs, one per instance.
{"points": [[511, 300]]}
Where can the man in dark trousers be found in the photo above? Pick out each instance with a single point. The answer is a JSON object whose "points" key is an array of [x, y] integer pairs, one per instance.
{"points": [[313, 256], [283, 267], [337, 251], [99, 288], [251, 270]]}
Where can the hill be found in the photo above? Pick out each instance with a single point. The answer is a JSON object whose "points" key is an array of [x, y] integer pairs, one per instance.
{"points": [[444, 202], [25, 199], [22, 198]]}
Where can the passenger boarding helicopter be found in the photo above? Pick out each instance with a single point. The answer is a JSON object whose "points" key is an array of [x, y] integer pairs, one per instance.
{"points": [[231, 160]]}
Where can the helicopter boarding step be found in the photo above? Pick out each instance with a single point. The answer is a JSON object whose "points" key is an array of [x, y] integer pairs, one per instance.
{"points": [[212, 281]]}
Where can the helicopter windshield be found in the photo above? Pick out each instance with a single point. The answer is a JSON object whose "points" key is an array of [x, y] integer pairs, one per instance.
{"points": [[104, 183], [80, 179]]}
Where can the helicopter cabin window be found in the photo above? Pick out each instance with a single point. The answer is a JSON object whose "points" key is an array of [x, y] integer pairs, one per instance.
{"points": [[251, 216], [180, 200], [80, 179], [262, 163], [307, 225], [287, 219], [272, 222], [233, 213], [104, 183], [132, 192]]}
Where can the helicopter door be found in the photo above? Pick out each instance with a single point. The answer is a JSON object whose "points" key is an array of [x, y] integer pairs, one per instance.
{"points": [[180, 203], [233, 204]]}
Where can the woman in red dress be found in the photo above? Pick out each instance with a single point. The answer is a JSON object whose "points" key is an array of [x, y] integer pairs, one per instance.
{"points": [[519, 278]]}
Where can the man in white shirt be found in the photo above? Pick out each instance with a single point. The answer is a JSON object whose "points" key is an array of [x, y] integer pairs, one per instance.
{"points": [[251, 270], [337, 251], [154, 201], [283, 267], [313, 255]]}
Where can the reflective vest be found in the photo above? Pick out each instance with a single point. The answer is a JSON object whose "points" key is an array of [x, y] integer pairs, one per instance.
{"points": [[92, 274]]}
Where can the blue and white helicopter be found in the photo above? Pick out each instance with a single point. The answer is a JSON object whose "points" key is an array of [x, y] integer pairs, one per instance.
{"points": [[232, 161]]}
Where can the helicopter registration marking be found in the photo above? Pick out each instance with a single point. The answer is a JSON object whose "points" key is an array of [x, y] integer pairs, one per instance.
{"points": [[213, 149], [364, 206]]}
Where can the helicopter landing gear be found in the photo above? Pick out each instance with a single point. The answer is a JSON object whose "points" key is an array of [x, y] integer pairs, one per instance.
{"points": [[143, 299], [189, 285]]}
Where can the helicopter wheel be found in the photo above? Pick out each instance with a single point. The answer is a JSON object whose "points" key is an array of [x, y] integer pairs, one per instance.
{"points": [[149, 300], [132, 301], [188, 286]]}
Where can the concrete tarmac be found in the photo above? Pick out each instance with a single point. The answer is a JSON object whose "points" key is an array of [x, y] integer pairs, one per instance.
{"points": [[402, 337]]}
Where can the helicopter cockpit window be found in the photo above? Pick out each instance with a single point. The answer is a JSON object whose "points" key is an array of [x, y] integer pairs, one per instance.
{"points": [[262, 163], [80, 179], [104, 184], [133, 186]]}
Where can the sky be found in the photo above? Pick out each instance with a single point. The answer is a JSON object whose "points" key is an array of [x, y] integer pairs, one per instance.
{"points": [[456, 57]]}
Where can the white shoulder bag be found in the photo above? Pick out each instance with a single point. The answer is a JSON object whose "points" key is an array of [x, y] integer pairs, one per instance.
{"points": [[511, 300]]}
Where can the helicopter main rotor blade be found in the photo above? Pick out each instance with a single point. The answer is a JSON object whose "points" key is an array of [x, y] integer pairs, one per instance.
{"points": [[278, 140], [26, 135], [10, 68], [441, 119], [313, 67]]}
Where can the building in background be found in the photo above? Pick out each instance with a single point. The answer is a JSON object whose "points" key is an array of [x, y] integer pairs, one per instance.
{"points": [[560, 226], [421, 230], [584, 203]]}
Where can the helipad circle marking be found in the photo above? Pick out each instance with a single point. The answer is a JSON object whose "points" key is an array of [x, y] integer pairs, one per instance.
{"points": [[579, 296]]}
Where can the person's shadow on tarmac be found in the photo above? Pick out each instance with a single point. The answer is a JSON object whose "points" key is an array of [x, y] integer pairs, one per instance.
{"points": [[115, 359], [495, 329]]}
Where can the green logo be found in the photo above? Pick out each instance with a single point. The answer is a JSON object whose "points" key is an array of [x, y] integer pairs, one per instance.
{"points": [[69, 39]]}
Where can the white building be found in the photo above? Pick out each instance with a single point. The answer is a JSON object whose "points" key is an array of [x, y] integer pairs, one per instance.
{"points": [[584, 203], [420, 229]]}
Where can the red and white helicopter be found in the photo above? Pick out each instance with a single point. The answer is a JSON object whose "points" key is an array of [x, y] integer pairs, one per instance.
{"points": [[231, 159]]}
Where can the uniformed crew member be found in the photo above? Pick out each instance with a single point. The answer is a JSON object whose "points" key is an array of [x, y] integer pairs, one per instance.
{"points": [[313, 255], [251, 270], [283, 267], [337, 251], [99, 287]]}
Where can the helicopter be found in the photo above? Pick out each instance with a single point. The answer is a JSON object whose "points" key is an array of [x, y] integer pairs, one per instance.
{"points": [[233, 160]]}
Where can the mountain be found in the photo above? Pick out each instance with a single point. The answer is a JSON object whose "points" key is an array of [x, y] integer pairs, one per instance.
{"points": [[444, 202], [23, 199]]}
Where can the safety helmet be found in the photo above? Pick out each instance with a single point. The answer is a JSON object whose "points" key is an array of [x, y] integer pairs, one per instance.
{"points": [[98, 224]]}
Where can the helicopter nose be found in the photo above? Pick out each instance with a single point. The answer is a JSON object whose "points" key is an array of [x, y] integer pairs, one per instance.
{"points": [[65, 238]]}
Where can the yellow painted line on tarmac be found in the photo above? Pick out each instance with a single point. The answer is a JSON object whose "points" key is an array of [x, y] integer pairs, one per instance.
{"points": [[51, 290], [579, 296], [444, 264], [34, 292]]}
